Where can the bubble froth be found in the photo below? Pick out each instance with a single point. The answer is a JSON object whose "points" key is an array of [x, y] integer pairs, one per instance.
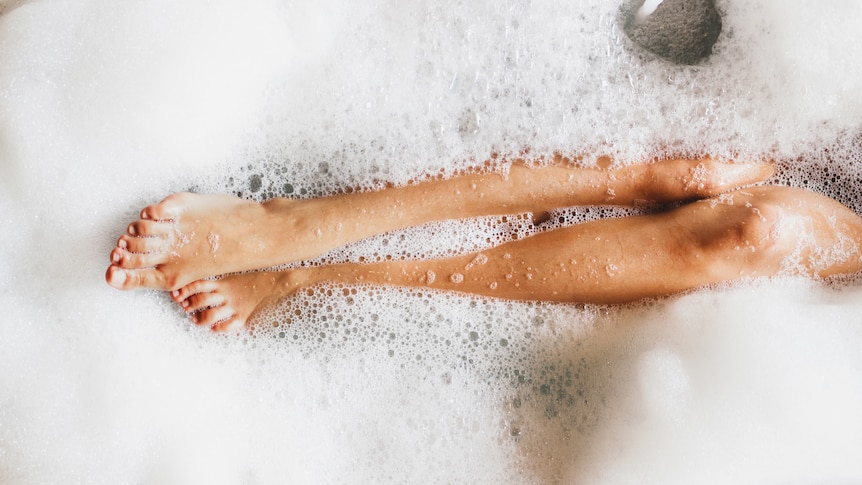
{"points": [[371, 385]]}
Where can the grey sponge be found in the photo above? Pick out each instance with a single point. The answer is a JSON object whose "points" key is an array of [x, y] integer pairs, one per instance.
{"points": [[680, 31]]}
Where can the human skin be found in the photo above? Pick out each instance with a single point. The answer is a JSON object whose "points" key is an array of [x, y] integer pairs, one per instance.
{"points": [[189, 237], [182, 243], [761, 231]]}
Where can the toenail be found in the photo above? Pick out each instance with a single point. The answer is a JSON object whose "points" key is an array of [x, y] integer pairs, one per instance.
{"points": [[118, 278], [144, 215], [132, 230], [115, 257], [123, 244], [185, 303], [176, 292]]}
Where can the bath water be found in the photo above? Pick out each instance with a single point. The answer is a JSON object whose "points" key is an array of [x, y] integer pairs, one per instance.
{"points": [[108, 106]]}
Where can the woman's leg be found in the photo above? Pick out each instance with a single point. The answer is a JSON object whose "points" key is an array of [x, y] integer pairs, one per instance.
{"points": [[187, 237], [757, 232]]}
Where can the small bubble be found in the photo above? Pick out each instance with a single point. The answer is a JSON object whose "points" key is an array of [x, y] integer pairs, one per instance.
{"points": [[456, 278], [255, 183], [474, 336]]}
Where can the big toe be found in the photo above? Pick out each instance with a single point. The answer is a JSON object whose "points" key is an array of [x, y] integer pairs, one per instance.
{"points": [[167, 209], [117, 277], [214, 315], [230, 325]]}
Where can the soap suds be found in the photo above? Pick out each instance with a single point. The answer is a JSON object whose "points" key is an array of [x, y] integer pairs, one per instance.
{"points": [[127, 103]]}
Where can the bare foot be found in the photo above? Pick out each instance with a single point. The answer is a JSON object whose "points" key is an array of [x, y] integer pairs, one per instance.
{"points": [[187, 237], [227, 303]]}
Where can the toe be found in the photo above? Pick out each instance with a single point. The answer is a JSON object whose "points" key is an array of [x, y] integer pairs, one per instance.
{"points": [[116, 277], [155, 213], [143, 244], [150, 228], [200, 286], [124, 259], [211, 316], [196, 303], [167, 209], [233, 323], [129, 279]]}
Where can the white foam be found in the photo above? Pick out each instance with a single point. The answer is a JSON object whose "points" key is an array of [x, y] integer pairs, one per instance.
{"points": [[105, 108]]}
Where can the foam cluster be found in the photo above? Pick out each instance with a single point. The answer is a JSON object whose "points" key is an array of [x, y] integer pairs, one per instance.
{"points": [[360, 384]]}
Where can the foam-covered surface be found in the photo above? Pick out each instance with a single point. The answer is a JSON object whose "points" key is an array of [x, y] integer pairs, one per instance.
{"points": [[108, 106]]}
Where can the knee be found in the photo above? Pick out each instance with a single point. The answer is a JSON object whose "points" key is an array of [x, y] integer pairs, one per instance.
{"points": [[770, 230], [751, 238], [758, 228], [673, 180]]}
